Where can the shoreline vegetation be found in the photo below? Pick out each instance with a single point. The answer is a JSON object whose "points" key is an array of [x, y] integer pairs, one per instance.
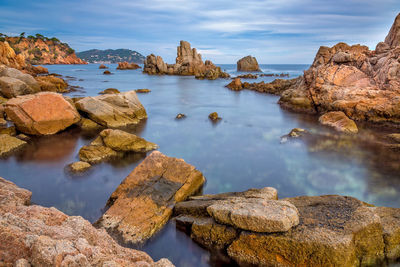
{"points": [[344, 86]]}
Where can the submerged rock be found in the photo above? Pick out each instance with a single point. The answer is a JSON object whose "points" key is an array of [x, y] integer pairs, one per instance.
{"points": [[331, 230], [107, 72], [40, 236], [127, 66], [41, 113], [339, 121], [248, 63], [142, 204], [113, 110], [9, 144]]}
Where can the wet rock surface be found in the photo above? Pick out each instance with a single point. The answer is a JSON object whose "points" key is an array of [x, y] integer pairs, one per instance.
{"points": [[330, 231], [113, 110], [42, 113], [9, 144], [275, 87], [144, 201], [32, 235], [339, 121], [127, 66]]}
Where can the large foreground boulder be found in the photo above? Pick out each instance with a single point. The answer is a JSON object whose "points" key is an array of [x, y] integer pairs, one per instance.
{"points": [[39, 236], [113, 110], [42, 113], [248, 63], [142, 204], [331, 230]]}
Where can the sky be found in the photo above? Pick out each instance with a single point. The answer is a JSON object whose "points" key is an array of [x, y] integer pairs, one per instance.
{"points": [[275, 32]]}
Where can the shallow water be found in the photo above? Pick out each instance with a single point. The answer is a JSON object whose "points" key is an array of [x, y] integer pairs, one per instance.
{"points": [[241, 151]]}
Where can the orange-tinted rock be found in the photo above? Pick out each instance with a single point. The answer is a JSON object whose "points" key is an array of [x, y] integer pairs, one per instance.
{"points": [[235, 85], [42, 236], [40, 70], [142, 204], [248, 63], [9, 58], [127, 66], [52, 84], [41, 113], [102, 66], [339, 121], [107, 72]]}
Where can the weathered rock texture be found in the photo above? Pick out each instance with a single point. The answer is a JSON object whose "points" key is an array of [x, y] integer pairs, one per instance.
{"points": [[275, 87], [9, 144], [39, 236], [143, 202], [331, 230], [113, 110], [339, 121], [127, 66], [188, 62], [41, 113], [43, 51], [9, 58], [364, 84], [113, 143], [248, 63]]}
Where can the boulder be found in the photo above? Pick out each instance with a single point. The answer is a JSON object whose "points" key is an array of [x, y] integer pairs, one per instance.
{"points": [[79, 166], [339, 121], [40, 70], [113, 110], [127, 66], [102, 66], [17, 74], [11, 87], [235, 85], [38, 236], [143, 203], [107, 72], [52, 83], [9, 144], [330, 231], [112, 144], [214, 116], [248, 63], [42, 113]]}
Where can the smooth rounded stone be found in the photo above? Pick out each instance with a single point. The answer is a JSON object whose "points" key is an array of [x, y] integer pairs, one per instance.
{"points": [[125, 142], [333, 231], [102, 66], [143, 203], [107, 72], [42, 113], [26, 78], [11, 87], [142, 91], [180, 116], [214, 116], [248, 63], [109, 91], [97, 153], [339, 121], [263, 216], [79, 166], [9, 144], [47, 237], [113, 110]]}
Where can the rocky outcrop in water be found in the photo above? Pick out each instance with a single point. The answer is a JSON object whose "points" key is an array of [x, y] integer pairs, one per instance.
{"points": [[339, 121], [188, 62], [142, 204], [248, 63], [364, 84], [275, 87], [9, 144], [329, 230], [33, 235], [127, 66], [42, 113], [42, 50], [113, 110], [114, 143]]}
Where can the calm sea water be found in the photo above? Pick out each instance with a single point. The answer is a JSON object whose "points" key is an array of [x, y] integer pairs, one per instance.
{"points": [[241, 151]]}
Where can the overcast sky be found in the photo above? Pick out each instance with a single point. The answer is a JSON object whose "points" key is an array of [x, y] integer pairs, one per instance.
{"points": [[278, 31]]}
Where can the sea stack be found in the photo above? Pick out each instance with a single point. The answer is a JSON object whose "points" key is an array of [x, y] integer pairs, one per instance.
{"points": [[248, 63]]}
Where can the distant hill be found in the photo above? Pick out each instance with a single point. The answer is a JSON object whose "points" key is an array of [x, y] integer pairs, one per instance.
{"points": [[111, 56]]}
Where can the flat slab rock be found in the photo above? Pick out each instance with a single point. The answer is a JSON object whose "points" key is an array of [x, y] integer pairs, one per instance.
{"points": [[32, 235], [143, 202], [339, 121], [265, 216], [113, 110], [9, 144], [332, 231]]}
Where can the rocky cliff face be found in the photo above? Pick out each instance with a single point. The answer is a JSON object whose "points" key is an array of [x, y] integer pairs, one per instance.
{"points": [[9, 58], [364, 84], [43, 51], [188, 62]]}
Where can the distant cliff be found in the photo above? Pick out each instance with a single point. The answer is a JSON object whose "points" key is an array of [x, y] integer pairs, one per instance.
{"points": [[42, 50], [111, 56]]}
